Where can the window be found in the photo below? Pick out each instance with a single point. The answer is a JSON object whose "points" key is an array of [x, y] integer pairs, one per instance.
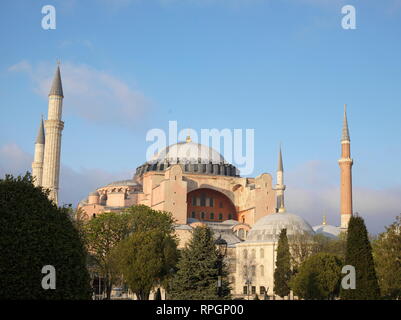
{"points": [[241, 234], [253, 290], [194, 201], [202, 215], [262, 290], [262, 253], [245, 290], [211, 202], [211, 215], [230, 216], [220, 216], [193, 214], [245, 253], [253, 253], [253, 269], [203, 200], [94, 215], [262, 270]]}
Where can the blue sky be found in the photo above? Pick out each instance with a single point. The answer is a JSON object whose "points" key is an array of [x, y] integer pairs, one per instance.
{"points": [[284, 68]]}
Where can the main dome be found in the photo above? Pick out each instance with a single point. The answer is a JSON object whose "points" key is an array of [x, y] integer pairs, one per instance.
{"points": [[188, 152], [268, 228], [192, 157]]}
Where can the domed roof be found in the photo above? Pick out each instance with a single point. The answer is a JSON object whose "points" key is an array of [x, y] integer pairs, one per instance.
{"points": [[188, 152], [327, 230], [268, 228], [192, 157]]}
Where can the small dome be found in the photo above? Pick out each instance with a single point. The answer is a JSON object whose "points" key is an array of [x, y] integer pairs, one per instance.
{"points": [[268, 228], [327, 230], [188, 152]]}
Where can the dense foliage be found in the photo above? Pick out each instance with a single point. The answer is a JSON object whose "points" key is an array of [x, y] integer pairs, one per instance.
{"points": [[387, 257], [198, 270], [359, 255], [33, 233], [282, 273], [319, 277]]}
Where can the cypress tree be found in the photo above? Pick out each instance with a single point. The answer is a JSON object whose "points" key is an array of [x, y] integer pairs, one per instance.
{"points": [[198, 270], [35, 233], [359, 255], [282, 273]]}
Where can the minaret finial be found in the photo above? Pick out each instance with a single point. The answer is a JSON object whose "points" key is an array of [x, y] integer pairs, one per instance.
{"points": [[189, 136]]}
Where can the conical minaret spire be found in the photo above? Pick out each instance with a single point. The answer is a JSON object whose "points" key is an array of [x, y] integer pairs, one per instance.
{"points": [[345, 133], [54, 126], [37, 164], [345, 164], [280, 187], [57, 88]]}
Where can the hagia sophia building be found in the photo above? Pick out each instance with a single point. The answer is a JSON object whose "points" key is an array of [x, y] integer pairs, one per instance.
{"points": [[197, 185]]}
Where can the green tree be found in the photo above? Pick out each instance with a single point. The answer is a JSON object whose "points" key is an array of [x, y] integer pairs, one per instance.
{"points": [[387, 257], [102, 234], [145, 260], [34, 233], [282, 273], [198, 270], [359, 255], [319, 277]]}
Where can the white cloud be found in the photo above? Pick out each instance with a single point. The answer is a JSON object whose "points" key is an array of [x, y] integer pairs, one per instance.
{"points": [[74, 184], [89, 93], [313, 191]]}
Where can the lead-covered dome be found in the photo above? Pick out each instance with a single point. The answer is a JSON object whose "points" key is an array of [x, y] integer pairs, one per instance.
{"points": [[188, 152], [192, 157], [327, 230], [268, 228]]}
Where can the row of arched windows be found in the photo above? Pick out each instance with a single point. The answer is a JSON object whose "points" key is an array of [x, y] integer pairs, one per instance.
{"points": [[253, 253]]}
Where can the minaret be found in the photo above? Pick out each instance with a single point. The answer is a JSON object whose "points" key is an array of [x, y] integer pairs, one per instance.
{"points": [[346, 174], [37, 164], [280, 187], [54, 127]]}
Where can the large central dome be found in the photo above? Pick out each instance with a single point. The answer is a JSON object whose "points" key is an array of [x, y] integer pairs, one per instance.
{"points": [[192, 157], [188, 152]]}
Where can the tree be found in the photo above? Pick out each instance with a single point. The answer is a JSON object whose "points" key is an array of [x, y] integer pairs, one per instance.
{"points": [[102, 234], [359, 255], [35, 233], [319, 277], [387, 257], [198, 270], [335, 246], [145, 259], [282, 273]]}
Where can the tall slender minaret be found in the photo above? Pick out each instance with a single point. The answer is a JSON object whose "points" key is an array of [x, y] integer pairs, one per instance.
{"points": [[346, 174], [54, 127], [37, 164], [280, 187]]}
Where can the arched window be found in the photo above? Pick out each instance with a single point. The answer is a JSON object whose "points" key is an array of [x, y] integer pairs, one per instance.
{"points": [[220, 216], [202, 215], [245, 253], [193, 214], [253, 268], [253, 253], [262, 253], [211, 215], [262, 270]]}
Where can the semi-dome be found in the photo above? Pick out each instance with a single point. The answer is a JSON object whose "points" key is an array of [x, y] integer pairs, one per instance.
{"points": [[192, 157], [268, 228]]}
